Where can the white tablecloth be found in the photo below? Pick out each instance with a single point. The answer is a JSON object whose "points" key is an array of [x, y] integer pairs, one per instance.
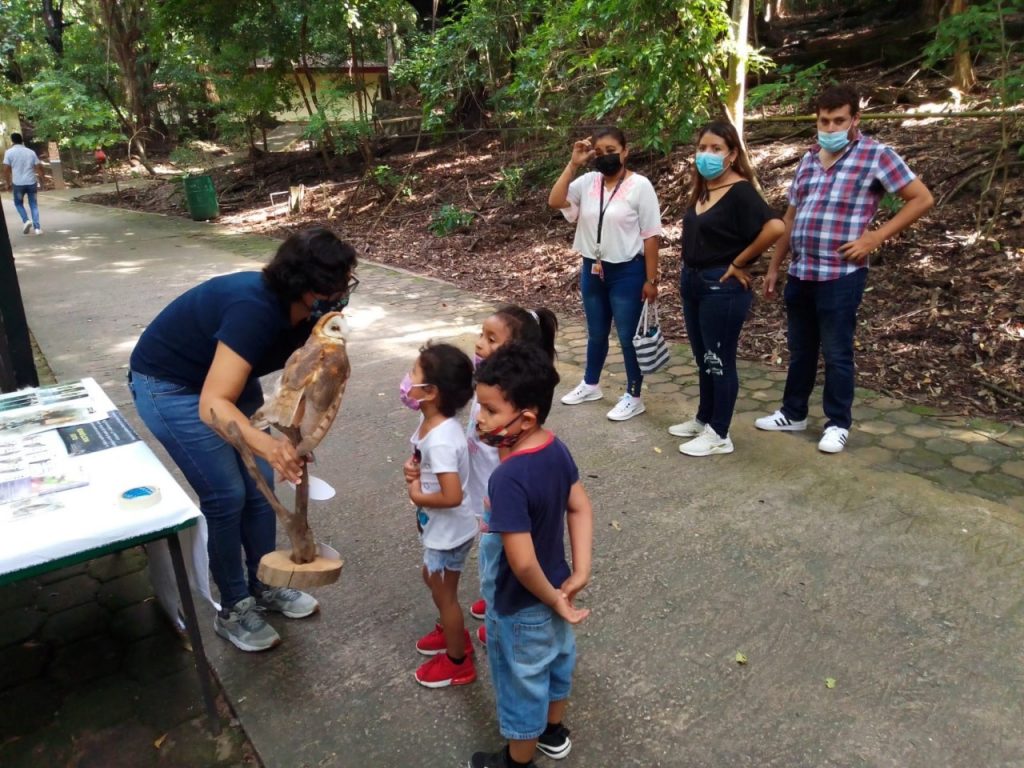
{"points": [[90, 517]]}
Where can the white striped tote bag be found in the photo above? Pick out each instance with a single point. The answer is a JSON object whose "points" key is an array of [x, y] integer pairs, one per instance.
{"points": [[648, 341]]}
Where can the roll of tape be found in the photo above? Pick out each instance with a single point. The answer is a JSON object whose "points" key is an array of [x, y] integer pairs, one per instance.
{"points": [[142, 497]]}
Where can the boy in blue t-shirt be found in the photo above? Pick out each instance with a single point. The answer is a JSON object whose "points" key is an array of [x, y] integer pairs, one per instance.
{"points": [[533, 496]]}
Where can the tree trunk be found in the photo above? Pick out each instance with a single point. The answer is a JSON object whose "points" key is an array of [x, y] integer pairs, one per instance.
{"points": [[737, 76], [963, 69], [53, 19]]}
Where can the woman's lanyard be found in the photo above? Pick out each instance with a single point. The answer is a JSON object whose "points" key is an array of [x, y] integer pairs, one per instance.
{"points": [[601, 207]]}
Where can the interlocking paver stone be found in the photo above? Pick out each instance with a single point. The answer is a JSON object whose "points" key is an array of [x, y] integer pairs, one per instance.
{"points": [[876, 427], [19, 624], [922, 431], [112, 566], [1015, 468], [921, 458], [903, 417], [972, 464], [897, 442], [945, 446], [75, 623], [998, 485], [68, 593]]}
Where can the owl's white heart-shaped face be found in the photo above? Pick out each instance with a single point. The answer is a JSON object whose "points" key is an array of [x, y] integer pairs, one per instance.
{"points": [[335, 327]]}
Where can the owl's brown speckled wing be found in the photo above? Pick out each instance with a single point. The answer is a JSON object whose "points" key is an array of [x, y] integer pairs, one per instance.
{"points": [[311, 387]]}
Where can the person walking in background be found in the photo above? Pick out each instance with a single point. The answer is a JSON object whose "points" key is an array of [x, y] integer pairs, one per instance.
{"points": [[24, 174], [726, 227], [832, 200], [618, 223]]}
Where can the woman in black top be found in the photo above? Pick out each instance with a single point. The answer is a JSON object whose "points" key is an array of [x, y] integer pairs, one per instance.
{"points": [[726, 227]]}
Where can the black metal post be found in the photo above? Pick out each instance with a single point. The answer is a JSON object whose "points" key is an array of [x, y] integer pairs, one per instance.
{"points": [[194, 636], [16, 347]]}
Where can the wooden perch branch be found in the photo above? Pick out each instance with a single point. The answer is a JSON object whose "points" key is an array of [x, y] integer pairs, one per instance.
{"points": [[295, 524]]}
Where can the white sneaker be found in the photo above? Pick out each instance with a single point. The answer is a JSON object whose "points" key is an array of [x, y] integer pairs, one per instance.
{"points": [[690, 428], [627, 407], [38, 232], [779, 422], [583, 393], [834, 440], [707, 443], [26, 228]]}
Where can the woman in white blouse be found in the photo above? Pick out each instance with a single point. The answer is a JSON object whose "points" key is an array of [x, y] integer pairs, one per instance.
{"points": [[618, 223]]}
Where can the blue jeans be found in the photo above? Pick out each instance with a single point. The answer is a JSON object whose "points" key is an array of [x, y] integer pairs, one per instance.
{"points": [[20, 190], [822, 316], [618, 296], [237, 514], [714, 314], [532, 654]]}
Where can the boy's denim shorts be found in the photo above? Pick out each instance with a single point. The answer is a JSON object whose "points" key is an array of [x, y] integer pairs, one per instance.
{"points": [[532, 654], [438, 560]]}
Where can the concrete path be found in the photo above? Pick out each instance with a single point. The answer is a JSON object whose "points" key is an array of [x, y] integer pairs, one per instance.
{"points": [[907, 593]]}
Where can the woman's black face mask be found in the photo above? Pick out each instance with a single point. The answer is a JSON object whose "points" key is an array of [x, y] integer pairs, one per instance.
{"points": [[609, 165]]}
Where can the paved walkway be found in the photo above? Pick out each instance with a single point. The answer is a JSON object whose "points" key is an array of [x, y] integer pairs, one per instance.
{"points": [[892, 568]]}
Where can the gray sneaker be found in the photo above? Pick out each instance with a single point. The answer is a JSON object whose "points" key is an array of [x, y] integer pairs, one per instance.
{"points": [[291, 602], [246, 628]]}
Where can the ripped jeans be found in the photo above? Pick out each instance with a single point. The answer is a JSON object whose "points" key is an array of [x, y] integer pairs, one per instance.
{"points": [[714, 314]]}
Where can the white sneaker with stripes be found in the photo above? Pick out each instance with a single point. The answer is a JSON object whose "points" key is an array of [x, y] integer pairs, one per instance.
{"points": [[834, 440], [779, 422]]}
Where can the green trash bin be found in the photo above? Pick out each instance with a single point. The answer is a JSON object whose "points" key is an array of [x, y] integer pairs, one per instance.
{"points": [[201, 198]]}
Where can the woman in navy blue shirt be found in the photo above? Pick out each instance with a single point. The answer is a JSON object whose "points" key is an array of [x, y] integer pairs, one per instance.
{"points": [[203, 355]]}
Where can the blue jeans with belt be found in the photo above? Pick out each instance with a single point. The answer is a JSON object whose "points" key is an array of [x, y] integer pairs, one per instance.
{"points": [[714, 313], [822, 316], [20, 192], [238, 516], [617, 295]]}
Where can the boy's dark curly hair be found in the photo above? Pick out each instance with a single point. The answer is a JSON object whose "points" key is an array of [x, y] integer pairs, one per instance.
{"points": [[447, 368], [314, 259], [523, 326], [525, 375]]}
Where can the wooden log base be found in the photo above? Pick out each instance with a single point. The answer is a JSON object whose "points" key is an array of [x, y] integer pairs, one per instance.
{"points": [[277, 569]]}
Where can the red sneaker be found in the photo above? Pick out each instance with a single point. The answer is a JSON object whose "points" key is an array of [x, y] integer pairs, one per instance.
{"points": [[478, 609], [434, 643], [440, 672], [481, 635]]}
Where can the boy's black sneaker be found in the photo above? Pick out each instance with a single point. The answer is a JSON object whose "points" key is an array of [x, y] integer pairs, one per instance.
{"points": [[493, 760], [555, 745]]}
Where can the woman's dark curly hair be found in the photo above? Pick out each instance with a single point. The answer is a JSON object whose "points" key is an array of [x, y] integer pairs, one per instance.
{"points": [[314, 259], [449, 370]]}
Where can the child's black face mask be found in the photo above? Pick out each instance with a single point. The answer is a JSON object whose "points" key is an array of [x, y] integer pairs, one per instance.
{"points": [[500, 438]]}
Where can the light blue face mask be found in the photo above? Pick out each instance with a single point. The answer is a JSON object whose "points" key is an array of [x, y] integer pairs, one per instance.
{"points": [[710, 165], [833, 141]]}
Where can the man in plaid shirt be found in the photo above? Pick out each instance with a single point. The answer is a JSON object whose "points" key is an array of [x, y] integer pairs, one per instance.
{"points": [[832, 200]]}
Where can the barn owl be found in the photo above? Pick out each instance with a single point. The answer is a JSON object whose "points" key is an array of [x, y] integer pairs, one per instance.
{"points": [[308, 396]]}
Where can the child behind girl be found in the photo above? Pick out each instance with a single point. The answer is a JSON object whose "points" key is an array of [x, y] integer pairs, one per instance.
{"points": [[440, 383], [509, 323]]}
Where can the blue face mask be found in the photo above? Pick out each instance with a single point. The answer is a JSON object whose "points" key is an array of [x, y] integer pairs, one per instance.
{"points": [[833, 141], [710, 165]]}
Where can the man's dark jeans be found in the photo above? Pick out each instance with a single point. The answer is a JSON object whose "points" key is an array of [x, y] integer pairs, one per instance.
{"points": [[714, 314], [822, 316]]}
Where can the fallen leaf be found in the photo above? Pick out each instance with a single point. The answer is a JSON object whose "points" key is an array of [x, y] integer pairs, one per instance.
{"points": [[615, 524], [657, 449], [830, 682], [741, 657], [160, 742]]}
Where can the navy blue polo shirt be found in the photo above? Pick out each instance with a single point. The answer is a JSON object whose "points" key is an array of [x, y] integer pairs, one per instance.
{"points": [[529, 492], [238, 310]]}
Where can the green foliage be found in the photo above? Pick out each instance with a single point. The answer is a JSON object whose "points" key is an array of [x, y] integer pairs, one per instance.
{"points": [[469, 58], [511, 183], [891, 204], [982, 25], [793, 90], [62, 109], [450, 219], [389, 183], [652, 67]]}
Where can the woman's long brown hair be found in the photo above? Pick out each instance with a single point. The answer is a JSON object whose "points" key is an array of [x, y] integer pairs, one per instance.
{"points": [[727, 133]]}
